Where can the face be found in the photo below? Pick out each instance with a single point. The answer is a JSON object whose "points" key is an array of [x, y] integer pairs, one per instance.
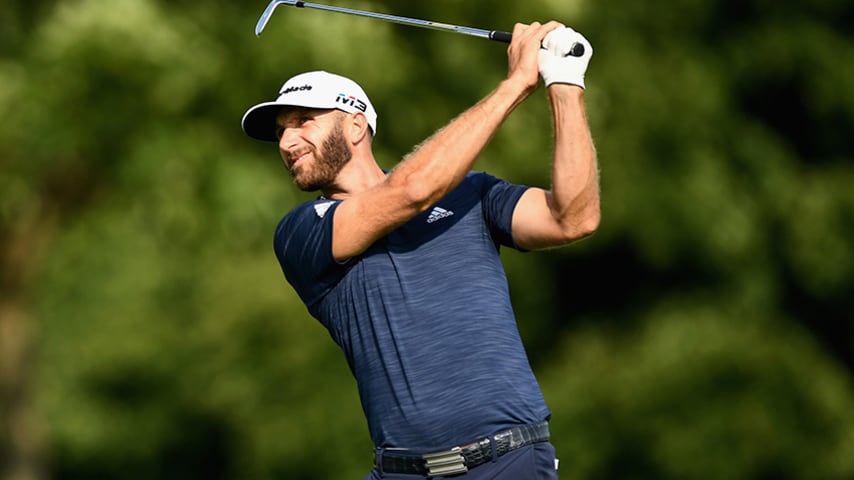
{"points": [[313, 146]]}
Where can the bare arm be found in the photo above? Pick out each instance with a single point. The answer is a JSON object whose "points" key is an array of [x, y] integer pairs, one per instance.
{"points": [[440, 163], [570, 210]]}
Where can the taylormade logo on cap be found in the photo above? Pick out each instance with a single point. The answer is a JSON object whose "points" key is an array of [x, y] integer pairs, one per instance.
{"points": [[295, 89], [317, 89]]}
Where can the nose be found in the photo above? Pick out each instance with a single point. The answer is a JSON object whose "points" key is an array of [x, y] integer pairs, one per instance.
{"points": [[288, 139]]}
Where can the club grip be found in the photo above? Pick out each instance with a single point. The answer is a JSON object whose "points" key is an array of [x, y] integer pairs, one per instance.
{"points": [[577, 49], [500, 36]]}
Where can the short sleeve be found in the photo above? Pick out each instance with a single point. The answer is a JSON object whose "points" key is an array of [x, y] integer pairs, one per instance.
{"points": [[303, 246], [499, 202]]}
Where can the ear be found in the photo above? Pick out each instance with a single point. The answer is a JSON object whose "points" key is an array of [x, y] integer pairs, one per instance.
{"points": [[358, 128]]}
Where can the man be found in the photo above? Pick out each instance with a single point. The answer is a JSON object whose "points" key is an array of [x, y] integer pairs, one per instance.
{"points": [[402, 267]]}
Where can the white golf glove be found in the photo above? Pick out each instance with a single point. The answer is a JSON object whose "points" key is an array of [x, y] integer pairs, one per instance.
{"points": [[556, 63]]}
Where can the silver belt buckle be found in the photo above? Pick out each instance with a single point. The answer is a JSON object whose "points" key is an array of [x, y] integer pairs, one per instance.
{"points": [[449, 462]]}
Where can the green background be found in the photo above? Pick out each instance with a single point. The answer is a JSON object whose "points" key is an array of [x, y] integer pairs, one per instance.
{"points": [[146, 331]]}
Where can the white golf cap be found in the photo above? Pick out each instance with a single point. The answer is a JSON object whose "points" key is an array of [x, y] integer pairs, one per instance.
{"points": [[318, 89]]}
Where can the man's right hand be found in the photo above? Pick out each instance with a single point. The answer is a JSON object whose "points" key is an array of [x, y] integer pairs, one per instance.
{"points": [[524, 50]]}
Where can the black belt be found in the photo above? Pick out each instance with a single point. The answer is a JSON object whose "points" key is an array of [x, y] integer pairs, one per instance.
{"points": [[460, 459]]}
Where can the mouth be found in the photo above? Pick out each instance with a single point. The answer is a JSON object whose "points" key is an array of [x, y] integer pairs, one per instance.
{"points": [[296, 157]]}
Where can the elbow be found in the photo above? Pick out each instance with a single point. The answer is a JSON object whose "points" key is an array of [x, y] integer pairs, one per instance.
{"points": [[417, 197], [577, 217], [414, 193], [583, 225], [589, 217], [590, 223]]}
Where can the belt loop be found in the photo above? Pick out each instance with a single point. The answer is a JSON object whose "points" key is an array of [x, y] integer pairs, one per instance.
{"points": [[378, 461], [494, 448]]}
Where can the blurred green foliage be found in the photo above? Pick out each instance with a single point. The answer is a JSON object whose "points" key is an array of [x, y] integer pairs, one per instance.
{"points": [[706, 331]]}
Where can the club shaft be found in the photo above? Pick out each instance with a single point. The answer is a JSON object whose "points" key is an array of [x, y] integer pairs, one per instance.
{"points": [[476, 32]]}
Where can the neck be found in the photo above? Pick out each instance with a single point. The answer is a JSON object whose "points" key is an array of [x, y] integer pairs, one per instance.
{"points": [[359, 174]]}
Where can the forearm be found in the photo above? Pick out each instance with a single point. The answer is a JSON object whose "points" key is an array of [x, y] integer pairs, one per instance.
{"points": [[441, 162], [574, 197]]}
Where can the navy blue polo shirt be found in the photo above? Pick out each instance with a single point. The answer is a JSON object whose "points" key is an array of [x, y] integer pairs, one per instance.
{"points": [[423, 316]]}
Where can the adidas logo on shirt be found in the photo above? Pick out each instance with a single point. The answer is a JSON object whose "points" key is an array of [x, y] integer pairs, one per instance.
{"points": [[438, 213], [322, 208]]}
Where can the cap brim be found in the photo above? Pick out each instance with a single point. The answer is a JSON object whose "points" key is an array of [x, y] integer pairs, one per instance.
{"points": [[259, 122]]}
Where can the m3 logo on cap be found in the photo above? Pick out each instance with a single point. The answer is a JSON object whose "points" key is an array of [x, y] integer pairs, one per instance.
{"points": [[352, 101]]}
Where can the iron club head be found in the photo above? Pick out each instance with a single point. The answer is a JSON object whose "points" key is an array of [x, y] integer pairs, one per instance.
{"points": [[268, 12]]}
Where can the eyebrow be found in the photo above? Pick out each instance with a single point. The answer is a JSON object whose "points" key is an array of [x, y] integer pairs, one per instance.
{"points": [[296, 111], [287, 112]]}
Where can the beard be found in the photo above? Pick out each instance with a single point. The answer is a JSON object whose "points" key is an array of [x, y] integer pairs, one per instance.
{"points": [[328, 162]]}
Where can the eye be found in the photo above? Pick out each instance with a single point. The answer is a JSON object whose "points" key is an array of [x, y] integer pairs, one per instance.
{"points": [[279, 132]]}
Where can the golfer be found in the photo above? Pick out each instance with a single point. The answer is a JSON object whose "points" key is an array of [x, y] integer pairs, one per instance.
{"points": [[402, 266]]}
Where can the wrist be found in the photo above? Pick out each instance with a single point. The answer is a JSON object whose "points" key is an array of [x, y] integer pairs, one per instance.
{"points": [[567, 101], [568, 90], [514, 91]]}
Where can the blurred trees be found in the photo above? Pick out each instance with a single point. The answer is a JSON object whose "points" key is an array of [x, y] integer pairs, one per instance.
{"points": [[146, 330]]}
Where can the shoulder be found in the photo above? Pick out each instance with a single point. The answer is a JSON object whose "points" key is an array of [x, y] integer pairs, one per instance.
{"points": [[492, 188], [310, 211], [477, 183], [305, 217], [303, 246], [486, 181], [481, 179]]}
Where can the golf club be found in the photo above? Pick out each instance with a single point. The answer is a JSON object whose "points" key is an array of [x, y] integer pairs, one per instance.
{"points": [[499, 36]]}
